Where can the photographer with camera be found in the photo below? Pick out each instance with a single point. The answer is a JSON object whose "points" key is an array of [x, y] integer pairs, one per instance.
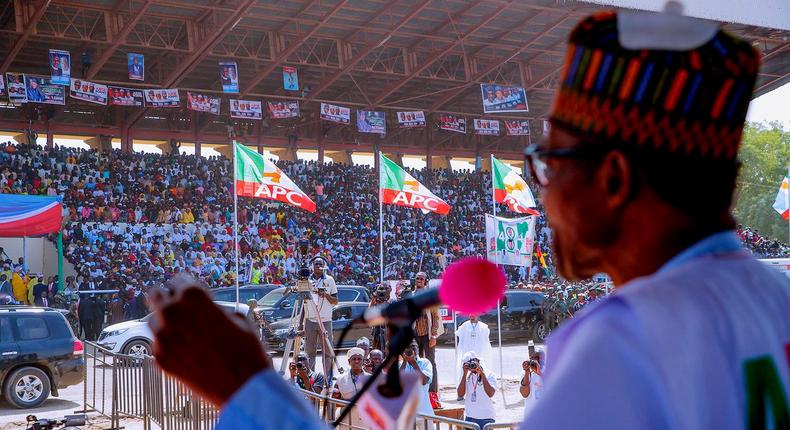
{"points": [[410, 361], [304, 377], [476, 387], [531, 388], [381, 295], [319, 312]]}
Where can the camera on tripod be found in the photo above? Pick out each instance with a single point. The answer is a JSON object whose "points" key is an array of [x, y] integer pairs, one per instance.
{"points": [[303, 274], [382, 294]]}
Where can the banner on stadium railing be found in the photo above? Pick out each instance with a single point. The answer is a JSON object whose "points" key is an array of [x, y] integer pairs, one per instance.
{"points": [[229, 77], [246, 109], [502, 98], [88, 91], [290, 78], [452, 123], [486, 127], [136, 66], [119, 96], [517, 128], [60, 67], [412, 119], [162, 98], [283, 109], [202, 103], [17, 93], [334, 113], [509, 241], [41, 89], [371, 122]]}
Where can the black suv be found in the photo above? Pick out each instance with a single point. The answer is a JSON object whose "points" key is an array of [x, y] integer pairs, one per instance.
{"points": [[38, 355], [343, 314], [521, 315], [278, 304]]}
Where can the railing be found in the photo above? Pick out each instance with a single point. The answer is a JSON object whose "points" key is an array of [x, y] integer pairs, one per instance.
{"points": [[116, 376], [138, 388], [510, 426]]}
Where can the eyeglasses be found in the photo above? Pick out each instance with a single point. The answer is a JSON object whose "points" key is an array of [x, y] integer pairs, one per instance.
{"points": [[536, 158]]}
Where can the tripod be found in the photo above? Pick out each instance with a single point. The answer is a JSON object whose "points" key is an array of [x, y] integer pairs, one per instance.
{"points": [[295, 337]]}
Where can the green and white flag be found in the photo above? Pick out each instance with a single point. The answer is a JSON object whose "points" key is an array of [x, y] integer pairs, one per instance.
{"points": [[510, 241], [398, 187]]}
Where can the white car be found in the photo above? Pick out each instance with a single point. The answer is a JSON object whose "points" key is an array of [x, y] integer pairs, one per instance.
{"points": [[135, 338]]}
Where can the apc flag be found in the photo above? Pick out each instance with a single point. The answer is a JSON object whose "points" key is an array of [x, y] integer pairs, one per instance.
{"points": [[258, 177], [397, 187], [511, 189], [510, 241], [782, 202]]}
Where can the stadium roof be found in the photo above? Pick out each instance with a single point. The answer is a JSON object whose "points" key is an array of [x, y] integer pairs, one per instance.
{"points": [[391, 55]]}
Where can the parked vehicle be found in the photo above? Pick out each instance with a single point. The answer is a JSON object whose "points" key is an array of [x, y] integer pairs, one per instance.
{"points": [[278, 304], [135, 338], [521, 314], [342, 316], [39, 355], [246, 292]]}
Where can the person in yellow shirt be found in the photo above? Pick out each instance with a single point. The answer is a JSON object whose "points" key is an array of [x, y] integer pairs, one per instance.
{"points": [[189, 218], [19, 284]]}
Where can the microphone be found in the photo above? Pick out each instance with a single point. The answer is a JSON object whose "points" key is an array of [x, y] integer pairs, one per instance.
{"points": [[471, 285]]}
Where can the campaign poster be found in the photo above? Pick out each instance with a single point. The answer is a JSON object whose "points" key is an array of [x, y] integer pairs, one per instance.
{"points": [[245, 109], [136, 64], [334, 113], [412, 119], [486, 127], [17, 93], [60, 67], [283, 109], [502, 98], [88, 91], [290, 79], [119, 96], [371, 122], [2, 87], [546, 127], [517, 128], [510, 240], [202, 103], [40, 89], [167, 98], [229, 77], [452, 123]]}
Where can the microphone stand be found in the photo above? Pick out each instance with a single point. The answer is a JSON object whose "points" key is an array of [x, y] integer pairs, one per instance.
{"points": [[401, 336]]}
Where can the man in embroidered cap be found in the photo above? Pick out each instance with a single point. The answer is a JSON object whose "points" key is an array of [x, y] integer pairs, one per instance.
{"points": [[638, 174]]}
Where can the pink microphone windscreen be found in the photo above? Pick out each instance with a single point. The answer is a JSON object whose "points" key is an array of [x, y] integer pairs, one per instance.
{"points": [[472, 285]]}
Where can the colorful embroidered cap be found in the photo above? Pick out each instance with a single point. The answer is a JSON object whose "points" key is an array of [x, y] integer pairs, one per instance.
{"points": [[657, 81]]}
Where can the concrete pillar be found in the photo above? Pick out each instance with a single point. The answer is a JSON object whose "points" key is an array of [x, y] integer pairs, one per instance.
{"points": [[485, 164], [127, 143], [285, 154], [197, 147], [340, 157], [50, 140], [440, 162], [225, 150], [397, 158], [95, 143]]}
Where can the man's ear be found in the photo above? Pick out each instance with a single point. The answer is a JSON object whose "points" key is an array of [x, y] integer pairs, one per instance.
{"points": [[616, 176]]}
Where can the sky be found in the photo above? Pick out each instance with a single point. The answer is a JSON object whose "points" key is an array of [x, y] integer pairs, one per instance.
{"points": [[773, 106]]}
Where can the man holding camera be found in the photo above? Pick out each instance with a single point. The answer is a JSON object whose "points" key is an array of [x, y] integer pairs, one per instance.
{"points": [[318, 327], [426, 330], [410, 361], [531, 388], [305, 378], [476, 387]]}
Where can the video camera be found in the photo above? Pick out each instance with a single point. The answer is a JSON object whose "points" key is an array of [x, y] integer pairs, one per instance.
{"points": [[381, 294], [303, 274]]}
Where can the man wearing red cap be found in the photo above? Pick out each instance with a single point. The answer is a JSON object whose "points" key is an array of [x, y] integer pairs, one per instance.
{"points": [[638, 174]]}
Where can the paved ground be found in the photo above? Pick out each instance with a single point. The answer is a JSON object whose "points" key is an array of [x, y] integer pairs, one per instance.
{"points": [[508, 402]]}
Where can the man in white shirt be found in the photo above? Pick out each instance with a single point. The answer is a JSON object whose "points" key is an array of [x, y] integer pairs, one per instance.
{"points": [[638, 175], [351, 382], [476, 387], [318, 327], [411, 362], [531, 388], [473, 336]]}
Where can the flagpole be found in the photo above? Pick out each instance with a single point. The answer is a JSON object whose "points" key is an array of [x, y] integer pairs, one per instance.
{"points": [[381, 223], [498, 304], [788, 203], [236, 221]]}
